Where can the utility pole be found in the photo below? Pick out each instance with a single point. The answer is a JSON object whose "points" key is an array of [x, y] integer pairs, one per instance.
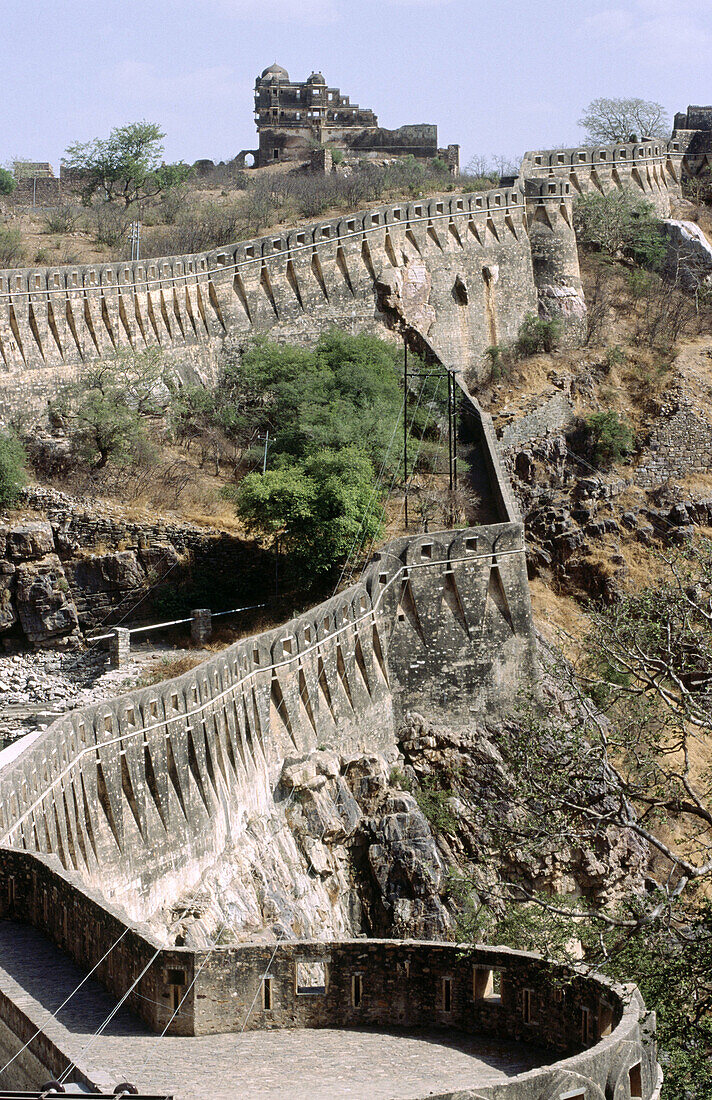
{"points": [[449, 429], [405, 427], [135, 240], [454, 432]]}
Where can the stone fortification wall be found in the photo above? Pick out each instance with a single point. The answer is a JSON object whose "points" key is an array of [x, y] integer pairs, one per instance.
{"points": [[457, 269], [551, 416], [679, 445], [652, 168], [600, 1035], [142, 794]]}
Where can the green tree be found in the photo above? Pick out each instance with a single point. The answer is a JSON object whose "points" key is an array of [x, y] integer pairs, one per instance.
{"points": [[13, 472], [607, 121], [7, 182], [344, 392], [621, 223], [536, 334], [127, 166], [312, 510], [107, 410]]}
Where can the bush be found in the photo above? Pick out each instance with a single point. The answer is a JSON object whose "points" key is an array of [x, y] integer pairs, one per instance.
{"points": [[537, 334], [63, 219], [7, 182], [12, 250], [621, 224], [610, 437], [13, 461]]}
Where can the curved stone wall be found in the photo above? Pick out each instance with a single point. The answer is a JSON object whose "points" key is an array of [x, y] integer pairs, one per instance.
{"points": [[458, 270], [140, 794], [600, 1036], [652, 168]]}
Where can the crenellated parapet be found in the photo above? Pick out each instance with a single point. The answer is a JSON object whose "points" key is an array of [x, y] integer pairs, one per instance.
{"points": [[140, 794], [462, 271], [457, 268], [652, 168]]}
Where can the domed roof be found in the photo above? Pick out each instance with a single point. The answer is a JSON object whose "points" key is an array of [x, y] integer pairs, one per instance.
{"points": [[275, 74], [316, 78]]}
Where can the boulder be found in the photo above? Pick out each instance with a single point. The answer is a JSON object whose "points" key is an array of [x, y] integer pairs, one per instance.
{"points": [[29, 541]]}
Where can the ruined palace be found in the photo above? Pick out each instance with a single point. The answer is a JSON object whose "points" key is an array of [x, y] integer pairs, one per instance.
{"points": [[293, 117]]}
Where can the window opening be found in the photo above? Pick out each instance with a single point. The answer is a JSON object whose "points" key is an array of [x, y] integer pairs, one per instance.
{"points": [[356, 990], [311, 978]]}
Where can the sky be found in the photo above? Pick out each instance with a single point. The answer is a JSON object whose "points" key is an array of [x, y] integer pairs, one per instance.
{"points": [[497, 77]]}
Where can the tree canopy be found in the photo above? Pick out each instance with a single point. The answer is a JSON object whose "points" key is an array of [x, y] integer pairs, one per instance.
{"points": [[344, 392], [12, 468], [107, 409], [314, 510], [127, 166], [616, 120]]}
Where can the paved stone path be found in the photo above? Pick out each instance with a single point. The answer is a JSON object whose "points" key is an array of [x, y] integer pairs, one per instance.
{"points": [[318, 1064]]}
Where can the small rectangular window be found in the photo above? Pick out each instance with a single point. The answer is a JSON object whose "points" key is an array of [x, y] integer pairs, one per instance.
{"points": [[605, 1019], [176, 977], [311, 978], [426, 551], [267, 993], [528, 1006], [447, 994], [356, 990]]}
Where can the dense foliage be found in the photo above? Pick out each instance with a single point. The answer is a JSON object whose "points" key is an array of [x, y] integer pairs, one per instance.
{"points": [[12, 468], [621, 224], [609, 437], [7, 182], [315, 510]]}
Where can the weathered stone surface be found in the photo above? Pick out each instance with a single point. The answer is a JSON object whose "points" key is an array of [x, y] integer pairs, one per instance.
{"points": [[27, 541], [44, 606]]}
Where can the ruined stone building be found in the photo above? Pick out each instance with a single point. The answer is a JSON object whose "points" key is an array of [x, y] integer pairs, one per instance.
{"points": [[292, 117]]}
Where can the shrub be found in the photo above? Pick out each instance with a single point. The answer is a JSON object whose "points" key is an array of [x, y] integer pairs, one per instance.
{"points": [[13, 461], [610, 437], [12, 250], [621, 223], [7, 182], [537, 334], [63, 219], [615, 356]]}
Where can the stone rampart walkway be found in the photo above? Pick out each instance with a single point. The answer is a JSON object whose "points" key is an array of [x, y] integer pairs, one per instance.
{"points": [[318, 1064]]}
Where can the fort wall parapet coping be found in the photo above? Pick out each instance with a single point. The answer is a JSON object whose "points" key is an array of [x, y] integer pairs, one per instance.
{"points": [[187, 269], [600, 1035], [111, 789]]}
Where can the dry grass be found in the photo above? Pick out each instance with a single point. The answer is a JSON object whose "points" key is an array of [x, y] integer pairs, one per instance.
{"points": [[168, 668], [558, 618]]}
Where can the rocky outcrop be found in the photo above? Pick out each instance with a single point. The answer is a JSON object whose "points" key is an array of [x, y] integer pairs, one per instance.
{"points": [[82, 565], [343, 853]]}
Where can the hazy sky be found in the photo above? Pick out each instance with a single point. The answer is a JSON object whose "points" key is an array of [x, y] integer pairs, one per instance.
{"points": [[497, 77]]}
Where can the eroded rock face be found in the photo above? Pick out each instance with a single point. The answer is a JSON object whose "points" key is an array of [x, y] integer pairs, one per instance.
{"points": [[406, 292], [44, 605], [343, 854]]}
